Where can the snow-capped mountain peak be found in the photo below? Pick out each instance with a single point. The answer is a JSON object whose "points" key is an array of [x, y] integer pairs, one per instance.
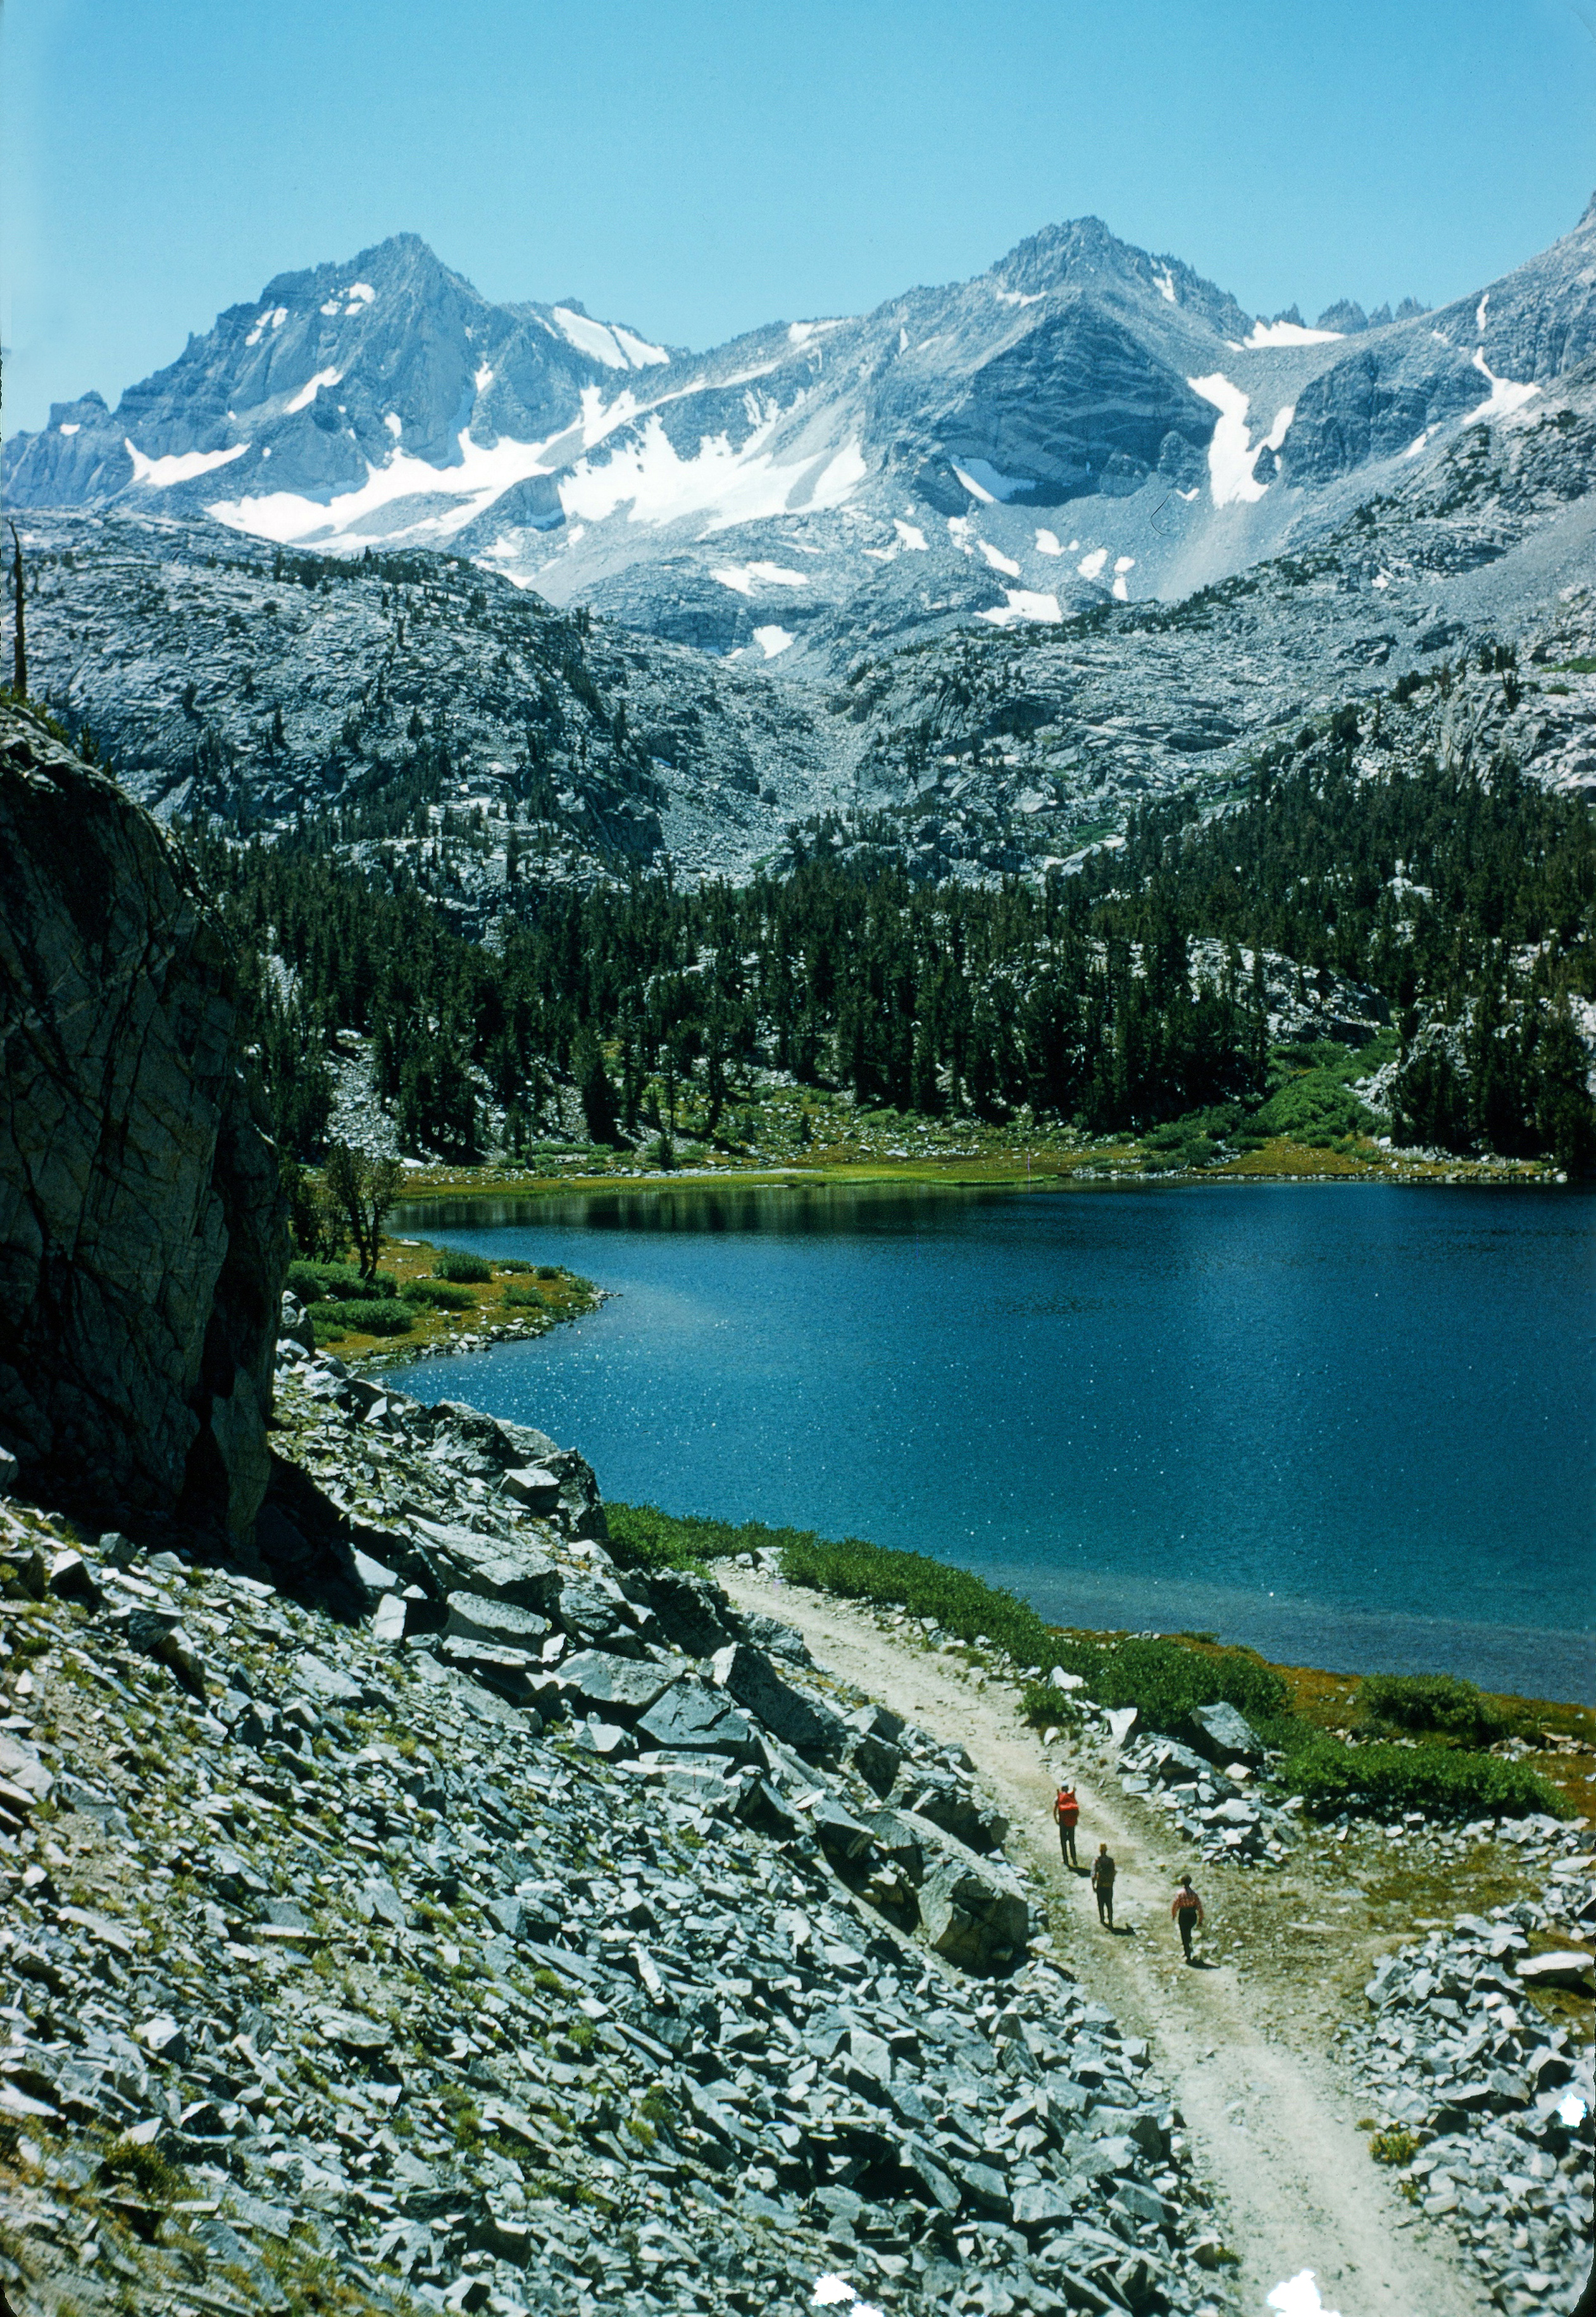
{"points": [[925, 462]]}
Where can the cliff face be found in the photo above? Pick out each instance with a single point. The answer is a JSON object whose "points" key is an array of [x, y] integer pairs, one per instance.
{"points": [[142, 1239]]}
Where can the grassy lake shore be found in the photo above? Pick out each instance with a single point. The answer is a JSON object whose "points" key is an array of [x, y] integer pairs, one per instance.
{"points": [[1000, 1166]]}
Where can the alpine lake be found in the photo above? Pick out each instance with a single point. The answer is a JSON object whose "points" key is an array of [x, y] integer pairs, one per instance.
{"points": [[1350, 1425]]}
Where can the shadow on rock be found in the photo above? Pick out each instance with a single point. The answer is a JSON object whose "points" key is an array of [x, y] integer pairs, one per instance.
{"points": [[303, 1544]]}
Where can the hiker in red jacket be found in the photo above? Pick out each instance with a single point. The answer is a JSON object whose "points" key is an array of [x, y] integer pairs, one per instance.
{"points": [[1066, 1813]]}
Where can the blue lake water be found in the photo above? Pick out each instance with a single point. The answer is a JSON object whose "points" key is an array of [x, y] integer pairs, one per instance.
{"points": [[1350, 1425]]}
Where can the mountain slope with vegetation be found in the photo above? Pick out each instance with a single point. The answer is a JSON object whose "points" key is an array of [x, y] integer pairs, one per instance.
{"points": [[1359, 897]]}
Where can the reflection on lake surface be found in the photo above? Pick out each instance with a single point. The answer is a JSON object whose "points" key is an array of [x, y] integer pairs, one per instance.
{"points": [[1351, 1424]]}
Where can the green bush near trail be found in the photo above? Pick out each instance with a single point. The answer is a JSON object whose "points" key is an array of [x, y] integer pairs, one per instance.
{"points": [[470, 1270], [388, 1317], [438, 1294], [1436, 1702], [1164, 1680], [653, 1539], [1381, 1779], [318, 1282]]}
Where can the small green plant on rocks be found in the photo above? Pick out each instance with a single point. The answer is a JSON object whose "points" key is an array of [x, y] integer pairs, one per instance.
{"points": [[135, 2165]]}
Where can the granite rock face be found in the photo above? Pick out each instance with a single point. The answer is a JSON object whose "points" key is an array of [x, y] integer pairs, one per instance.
{"points": [[142, 1239]]}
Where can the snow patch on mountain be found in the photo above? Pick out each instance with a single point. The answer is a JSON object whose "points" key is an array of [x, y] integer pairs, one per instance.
{"points": [[744, 576], [312, 388], [648, 476], [1287, 334], [288, 517], [637, 350], [181, 466], [1024, 604], [984, 482], [591, 337], [1230, 460], [1505, 396]]}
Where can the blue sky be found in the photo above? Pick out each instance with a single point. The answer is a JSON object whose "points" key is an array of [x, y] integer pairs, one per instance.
{"points": [[695, 167]]}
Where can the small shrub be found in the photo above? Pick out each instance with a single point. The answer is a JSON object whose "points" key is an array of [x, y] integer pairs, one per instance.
{"points": [[468, 1270], [380, 1318], [523, 1298], [438, 1294], [1380, 1780], [464, 2117], [1437, 1702], [145, 2170], [549, 1271], [514, 1263], [1396, 2146], [315, 1282], [661, 1540]]}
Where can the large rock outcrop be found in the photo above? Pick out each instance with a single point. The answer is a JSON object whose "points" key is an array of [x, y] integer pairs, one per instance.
{"points": [[142, 1238]]}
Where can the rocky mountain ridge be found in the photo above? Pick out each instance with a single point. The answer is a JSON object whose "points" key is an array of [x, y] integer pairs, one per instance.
{"points": [[1083, 423], [221, 676]]}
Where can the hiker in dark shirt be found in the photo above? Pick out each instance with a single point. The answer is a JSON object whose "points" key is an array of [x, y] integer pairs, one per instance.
{"points": [[1187, 1911], [1066, 1813], [1103, 1871]]}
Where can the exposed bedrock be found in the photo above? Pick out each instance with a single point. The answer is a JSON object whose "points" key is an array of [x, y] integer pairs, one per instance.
{"points": [[142, 1233]]}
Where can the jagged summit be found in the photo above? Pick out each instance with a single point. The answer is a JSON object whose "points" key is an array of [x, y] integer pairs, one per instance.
{"points": [[1083, 253]]}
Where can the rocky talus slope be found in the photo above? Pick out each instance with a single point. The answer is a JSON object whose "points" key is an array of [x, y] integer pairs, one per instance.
{"points": [[142, 1236], [1491, 2110], [534, 1934]]}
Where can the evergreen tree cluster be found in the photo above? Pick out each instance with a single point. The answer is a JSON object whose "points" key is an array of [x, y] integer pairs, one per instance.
{"points": [[1465, 899]]}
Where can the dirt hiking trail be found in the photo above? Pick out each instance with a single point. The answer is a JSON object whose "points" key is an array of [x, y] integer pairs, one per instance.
{"points": [[1272, 2126]]}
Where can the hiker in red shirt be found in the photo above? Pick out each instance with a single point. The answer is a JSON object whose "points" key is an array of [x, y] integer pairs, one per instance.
{"points": [[1067, 1811]]}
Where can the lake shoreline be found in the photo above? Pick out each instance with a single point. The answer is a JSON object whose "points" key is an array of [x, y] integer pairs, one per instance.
{"points": [[1045, 1170]]}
